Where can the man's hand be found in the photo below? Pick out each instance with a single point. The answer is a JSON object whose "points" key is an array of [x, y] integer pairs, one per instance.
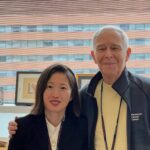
{"points": [[12, 128]]}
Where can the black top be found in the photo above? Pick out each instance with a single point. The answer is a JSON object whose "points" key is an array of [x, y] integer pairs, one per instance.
{"points": [[32, 134]]}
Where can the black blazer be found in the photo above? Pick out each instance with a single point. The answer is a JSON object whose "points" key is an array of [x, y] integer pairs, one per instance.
{"points": [[32, 134]]}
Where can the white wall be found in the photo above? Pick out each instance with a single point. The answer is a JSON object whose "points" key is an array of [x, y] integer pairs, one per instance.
{"points": [[8, 113]]}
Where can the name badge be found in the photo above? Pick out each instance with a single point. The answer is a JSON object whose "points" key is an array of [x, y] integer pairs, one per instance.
{"points": [[136, 116]]}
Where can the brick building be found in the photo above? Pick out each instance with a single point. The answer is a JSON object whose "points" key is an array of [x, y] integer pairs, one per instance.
{"points": [[35, 34]]}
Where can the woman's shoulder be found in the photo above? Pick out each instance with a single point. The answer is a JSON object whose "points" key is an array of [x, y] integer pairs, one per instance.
{"points": [[25, 119], [28, 119]]}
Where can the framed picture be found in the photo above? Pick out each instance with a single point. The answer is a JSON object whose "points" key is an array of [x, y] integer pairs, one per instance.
{"points": [[83, 79], [25, 87]]}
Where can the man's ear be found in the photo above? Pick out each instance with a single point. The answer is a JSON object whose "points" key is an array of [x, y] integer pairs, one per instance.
{"points": [[128, 53]]}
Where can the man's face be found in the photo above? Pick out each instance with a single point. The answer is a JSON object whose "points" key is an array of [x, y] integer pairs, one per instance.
{"points": [[110, 54]]}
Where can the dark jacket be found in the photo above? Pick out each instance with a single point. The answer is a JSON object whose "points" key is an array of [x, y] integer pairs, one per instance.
{"points": [[136, 93], [32, 134]]}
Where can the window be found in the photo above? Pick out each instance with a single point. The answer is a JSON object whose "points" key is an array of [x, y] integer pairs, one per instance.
{"points": [[16, 44], [47, 43], [8, 44], [24, 29], [63, 28], [87, 42], [31, 28], [139, 27], [47, 28], [78, 28], [24, 44], [2, 44], [140, 56], [132, 27], [40, 28], [2, 58], [78, 43], [147, 26], [62, 43], [124, 26], [39, 43], [140, 71], [31, 44], [16, 28], [2, 29], [140, 41]]}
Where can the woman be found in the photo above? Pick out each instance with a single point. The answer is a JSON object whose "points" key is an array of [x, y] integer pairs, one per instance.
{"points": [[55, 122]]}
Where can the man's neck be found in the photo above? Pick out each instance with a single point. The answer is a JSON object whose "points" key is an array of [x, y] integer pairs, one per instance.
{"points": [[109, 80]]}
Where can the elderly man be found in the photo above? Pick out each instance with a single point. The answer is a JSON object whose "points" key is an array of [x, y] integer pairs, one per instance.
{"points": [[116, 102]]}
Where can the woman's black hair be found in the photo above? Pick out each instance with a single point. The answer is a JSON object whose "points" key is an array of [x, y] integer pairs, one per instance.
{"points": [[74, 104]]}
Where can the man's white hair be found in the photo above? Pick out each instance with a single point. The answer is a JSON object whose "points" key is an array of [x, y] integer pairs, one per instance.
{"points": [[98, 33]]}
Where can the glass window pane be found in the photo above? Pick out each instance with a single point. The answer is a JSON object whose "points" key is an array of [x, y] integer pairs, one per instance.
{"points": [[39, 28], [124, 26], [47, 43], [47, 28], [87, 42], [16, 28], [139, 26], [147, 42], [70, 43], [132, 27], [139, 41], [70, 28], [55, 43], [2, 58], [2, 44], [94, 27], [2, 29], [78, 43], [16, 44], [24, 29], [141, 56], [63, 28], [24, 44], [31, 44], [8, 28], [31, 28], [39, 43], [54, 28], [63, 43], [8, 44], [140, 71], [78, 28], [147, 26]]}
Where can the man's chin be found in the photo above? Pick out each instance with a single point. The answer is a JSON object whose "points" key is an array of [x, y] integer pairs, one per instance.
{"points": [[110, 73]]}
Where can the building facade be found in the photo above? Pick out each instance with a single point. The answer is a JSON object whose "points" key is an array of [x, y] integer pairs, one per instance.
{"points": [[36, 34]]}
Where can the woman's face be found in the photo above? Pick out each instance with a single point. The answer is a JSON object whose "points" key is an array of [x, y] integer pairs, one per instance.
{"points": [[57, 94]]}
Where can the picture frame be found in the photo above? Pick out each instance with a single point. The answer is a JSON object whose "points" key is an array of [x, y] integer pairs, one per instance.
{"points": [[25, 87], [83, 79]]}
